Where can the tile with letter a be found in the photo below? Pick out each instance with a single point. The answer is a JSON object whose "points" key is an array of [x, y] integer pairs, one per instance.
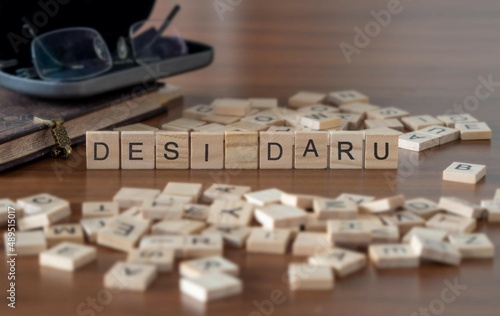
{"points": [[311, 150], [263, 240], [435, 250], [417, 122], [197, 246], [214, 264], [335, 209], [99, 209], [305, 98], [404, 220], [241, 150], [163, 259], [55, 234], [445, 134], [464, 172], [280, 216], [264, 197], [473, 245], [42, 210], [219, 191], [453, 224], [138, 150], [237, 213], [460, 207], [347, 97], [276, 150], [346, 150], [197, 112], [309, 243], [172, 150], [211, 287], [303, 276], [169, 242], [103, 150], [92, 226], [390, 256], [451, 120], [233, 236], [122, 233], [128, 197], [207, 150], [425, 232], [423, 207], [25, 243], [342, 261], [416, 141], [68, 256], [130, 276], [493, 210], [381, 149]]}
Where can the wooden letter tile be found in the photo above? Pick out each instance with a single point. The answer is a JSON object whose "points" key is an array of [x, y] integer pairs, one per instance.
{"points": [[473, 245], [56, 234], [197, 112], [474, 131], [464, 172], [303, 98], [347, 97], [182, 125], [203, 246], [280, 216], [346, 150], [234, 213], [423, 207], [68, 256], [196, 212], [163, 259], [358, 108], [311, 150], [404, 220], [356, 198], [335, 209], [303, 276], [138, 150], [384, 205], [215, 264], [387, 113], [263, 240], [122, 233], [128, 197], [389, 123], [103, 150], [460, 207], [130, 276], [384, 234], [207, 150], [25, 243], [349, 232], [309, 243], [393, 256], [445, 134], [177, 227], [163, 208], [234, 107], [99, 209], [493, 209], [417, 141], [173, 243], [451, 223], [264, 197], [233, 236], [211, 286], [451, 120], [425, 232], [342, 261], [92, 226], [304, 201], [241, 150], [276, 150], [42, 210], [192, 190], [135, 128], [417, 122], [381, 150], [435, 250], [319, 120], [172, 150], [263, 103], [225, 192]]}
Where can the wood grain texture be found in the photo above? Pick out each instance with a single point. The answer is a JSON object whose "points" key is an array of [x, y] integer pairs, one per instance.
{"points": [[428, 59]]}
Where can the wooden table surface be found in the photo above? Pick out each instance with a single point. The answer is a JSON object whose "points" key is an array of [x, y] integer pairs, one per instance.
{"points": [[427, 60]]}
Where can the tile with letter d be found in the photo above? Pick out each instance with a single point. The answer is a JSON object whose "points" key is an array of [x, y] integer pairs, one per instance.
{"points": [[276, 150], [103, 150]]}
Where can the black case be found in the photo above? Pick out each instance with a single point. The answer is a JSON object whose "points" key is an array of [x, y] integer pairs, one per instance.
{"points": [[111, 18]]}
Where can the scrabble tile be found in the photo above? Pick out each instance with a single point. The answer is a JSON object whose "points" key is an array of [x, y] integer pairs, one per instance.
{"points": [[192, 190], [172, 150], [211, 287], [358, 108], [417, 122], [387, 113], [384, 205], [197, 246], [314, 224], [221, 119], [434, 250], [182, 125], [241, 150], [319, 120], [474, 131], [356, 198], [174, 243], [231, 212], [381, 150], [99, 209], [266, 118], [354, 120], [246, 126], [130, 276], [169, 92], [493, 210], [389, 123], [56, 234], [309, 243], [343, 262], [264, 197], [177, 227], [42, 210], [391, 256], [214, 264], [197, 112], [24, 243], [234, 107], [138, 150], [335, 209], [196, 212], [212, 128], [305, 98], [9, 208], [280, 216], [346, 150], [103, 149], [417, 141], [451, 223], [233, 236], [122, 233], [128, 197], [162, 259], [135, 128], [218, 191], [68, 256], [445, 134], [347, 97], [425, 232], [451, 120], [263, 240], [473, 245], [423, 207], [464, 172], [163, 208], [263, 103], [276, 150], [460, 207], [372, 219], [497, 195], [349, 232], [317, 108], [303, 201], [303, 276], [207, 150], [92, 226], [133, 212], [384, 234], [311, 150], [404, 220]]}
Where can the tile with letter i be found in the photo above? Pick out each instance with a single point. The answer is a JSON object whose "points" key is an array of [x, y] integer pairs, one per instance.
{"points": [[68, 256], [417, 122], [263, 240], [311, 150], [309, 243], [381, 149], [474, 131], [103, 150], [434, 250], [238, 213], [343, 262], [464, 172], [172, 150], [390, 256], [219, 191], [453, 224], [138, 150], [475, 246], [162, 259], [55, 234], [196, 246], [241, 150], [303, 276], [346, 150], [99, 209], [233, 236], [207, 150], [214, 264], [276, 150], [130, 276], [24, 243], [346, 97], [122, 233], [211, 286]]}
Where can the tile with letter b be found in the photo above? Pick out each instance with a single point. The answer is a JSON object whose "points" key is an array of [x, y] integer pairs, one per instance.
{"points": [[342, 261], [172, 150], [138, 150], [214, 264], [473, 245], [207, 150], [311, 150], [103, 150], [211, 286], [130, 276], [346, 150], [393, 256], [464, 172], [241, 150], [162, 259], [276, 150], [68, 256]]}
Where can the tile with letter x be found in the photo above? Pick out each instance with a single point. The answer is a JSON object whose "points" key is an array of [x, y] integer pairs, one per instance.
{"points": [[163, 259], [231, 212], [464, 172], [130, 276], [268, 241], [197, 267], [342, 261], [122, 233], [393, 256], [68, 256], [55, 234]]}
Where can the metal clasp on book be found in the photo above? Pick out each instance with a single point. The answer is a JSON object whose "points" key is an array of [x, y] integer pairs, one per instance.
{"points": [[60, 135]]}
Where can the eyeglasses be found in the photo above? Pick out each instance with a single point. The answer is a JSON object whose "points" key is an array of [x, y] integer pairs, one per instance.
{"points": [[79, 53]]}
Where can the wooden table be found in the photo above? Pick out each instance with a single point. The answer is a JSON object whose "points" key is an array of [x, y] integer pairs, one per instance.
{"points": [[426, 60]]}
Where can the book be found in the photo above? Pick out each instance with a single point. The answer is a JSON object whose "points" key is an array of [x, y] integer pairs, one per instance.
{"points": [[23, 137]]}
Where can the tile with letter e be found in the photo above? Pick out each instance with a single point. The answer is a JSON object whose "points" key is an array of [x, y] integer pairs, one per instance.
{"points": [[280, 216], [241, 150], [460, 207], [464, 172], [417, 122], [391, 256], [305, 98], [214, 264], [434, 250], [474, 131], [303, 276], [24, 243], [347, 97], [417, 141], [473, 245], [207, 150], [172, 150], [130, 276], [42, 210], [263, 240], [346, 150], [162, 259], [128, 197], [103, 150], [233, 236], [311, 150], [381, 149], [335, 209], [196, 246], [423, 207], [138, 150], [211, 287], [276, 150], [451, 120], [237, 213], [99, 209], [122, 233], [68, 256], [220, 191], [309, 243], [342, 261], [453, 224], [55, 234]]}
